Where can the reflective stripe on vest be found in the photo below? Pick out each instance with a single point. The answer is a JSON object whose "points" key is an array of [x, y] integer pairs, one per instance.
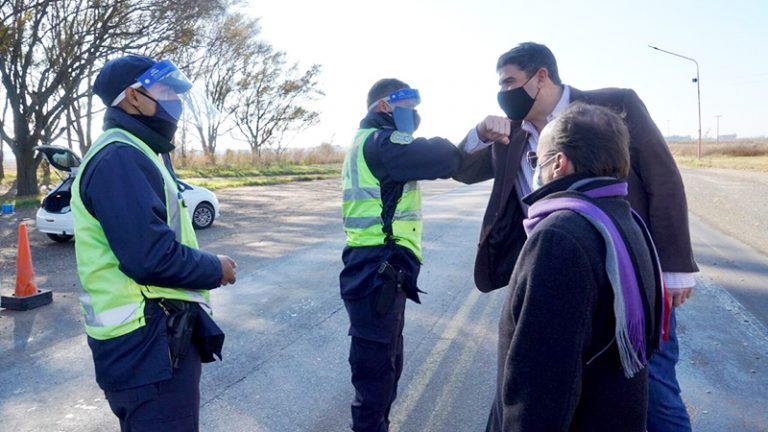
{"points": [[362, 206], [113, 303]]}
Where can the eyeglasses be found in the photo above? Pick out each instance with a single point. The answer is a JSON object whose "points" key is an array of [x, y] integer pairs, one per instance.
{"points": [[533, 160]]}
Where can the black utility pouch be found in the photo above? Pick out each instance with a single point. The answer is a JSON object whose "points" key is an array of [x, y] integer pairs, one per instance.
{"points": [[181, 323], [393, 280]]}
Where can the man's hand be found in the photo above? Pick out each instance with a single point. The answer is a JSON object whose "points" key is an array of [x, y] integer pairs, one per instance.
{"points": [[228, 266], [495, 128], [679, 295]]}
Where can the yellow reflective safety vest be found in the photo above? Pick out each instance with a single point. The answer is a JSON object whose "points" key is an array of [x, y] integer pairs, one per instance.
{"points": [[362, 207], [112, 302]]}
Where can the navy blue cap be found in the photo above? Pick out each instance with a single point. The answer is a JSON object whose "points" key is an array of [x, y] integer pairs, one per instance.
{"points": [[118, 74]]}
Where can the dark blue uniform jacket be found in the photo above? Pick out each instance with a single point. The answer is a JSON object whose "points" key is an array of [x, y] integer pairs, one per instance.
{"points": [[393, 165], [123, 189]]}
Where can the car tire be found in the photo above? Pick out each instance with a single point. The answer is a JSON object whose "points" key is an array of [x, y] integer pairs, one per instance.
{"points": [[60, 238], [203, 216]]}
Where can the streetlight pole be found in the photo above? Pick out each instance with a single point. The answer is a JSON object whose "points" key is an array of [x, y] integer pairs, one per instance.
{"points": [[718, 127], [698, 88]]}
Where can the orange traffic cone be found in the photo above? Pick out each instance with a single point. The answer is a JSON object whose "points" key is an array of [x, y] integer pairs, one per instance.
{"points": [[25, 276], [27, 296]]}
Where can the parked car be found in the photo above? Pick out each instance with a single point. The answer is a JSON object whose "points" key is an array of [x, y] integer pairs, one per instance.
{"points": [[54, 217]]}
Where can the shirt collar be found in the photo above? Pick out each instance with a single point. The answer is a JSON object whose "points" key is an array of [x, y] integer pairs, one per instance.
{"points": [[562, 104], [377, 120]]}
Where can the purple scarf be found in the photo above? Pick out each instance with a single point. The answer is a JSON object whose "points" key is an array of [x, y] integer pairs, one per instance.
{"points": [[627, 304]]}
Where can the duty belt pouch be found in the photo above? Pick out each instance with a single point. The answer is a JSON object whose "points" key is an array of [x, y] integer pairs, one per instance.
{"points": [[207, 337], [392, 283], [182, 317]]}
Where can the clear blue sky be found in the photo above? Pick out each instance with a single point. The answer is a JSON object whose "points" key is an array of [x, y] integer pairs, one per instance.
{"points": [[448, 50]]}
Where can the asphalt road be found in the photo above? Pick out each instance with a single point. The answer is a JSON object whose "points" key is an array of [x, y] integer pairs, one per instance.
{"points": [[285, 365]]}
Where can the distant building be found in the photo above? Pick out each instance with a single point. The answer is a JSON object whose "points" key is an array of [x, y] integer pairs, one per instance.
{"points": [[678, 138]]}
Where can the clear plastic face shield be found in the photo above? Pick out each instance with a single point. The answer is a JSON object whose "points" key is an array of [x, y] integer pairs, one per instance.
{"points": [[176, 97], [403, 103]]}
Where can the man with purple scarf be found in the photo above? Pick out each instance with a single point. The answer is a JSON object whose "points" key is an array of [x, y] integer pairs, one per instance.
{"points": [[531, 95], [585, 306]]}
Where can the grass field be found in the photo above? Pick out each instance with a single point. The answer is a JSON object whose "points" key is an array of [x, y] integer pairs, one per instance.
{"points": [[242, 171], [212, 177], [222, 177], [230, 169], [237, 170], [745, 154], [749, 163]]}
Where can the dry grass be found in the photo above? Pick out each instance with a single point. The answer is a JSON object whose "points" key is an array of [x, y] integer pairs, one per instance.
{"points": [[215, 183], [321, 155], [241, 168], [230, 169], [743, 147], [241, 171], [744, 154]]}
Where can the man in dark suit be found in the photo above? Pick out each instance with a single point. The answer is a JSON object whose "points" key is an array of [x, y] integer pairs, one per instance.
{"points": [[532, 94]]}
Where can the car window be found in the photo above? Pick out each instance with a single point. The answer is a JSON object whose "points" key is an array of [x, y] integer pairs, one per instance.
{"points": [[65, 159]]}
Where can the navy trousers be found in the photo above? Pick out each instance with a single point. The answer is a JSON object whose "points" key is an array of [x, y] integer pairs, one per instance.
{"points": [[169, 406], [666, 410], [376, 360]]}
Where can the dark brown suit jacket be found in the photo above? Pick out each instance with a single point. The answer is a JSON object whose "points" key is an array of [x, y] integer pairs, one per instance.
{"points": [[655, 191]]}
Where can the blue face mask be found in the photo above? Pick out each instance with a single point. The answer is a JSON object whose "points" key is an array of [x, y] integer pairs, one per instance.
{"points": [[168, 110], [163, 122], [406, 119]]}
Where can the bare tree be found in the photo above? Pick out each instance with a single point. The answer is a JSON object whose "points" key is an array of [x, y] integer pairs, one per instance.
{"points": [[230, 47], [48, 47], [2, 125], [80, 114], [273, 100]]}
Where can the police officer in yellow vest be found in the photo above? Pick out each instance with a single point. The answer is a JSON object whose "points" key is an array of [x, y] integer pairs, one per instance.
{"points": [[382, 219], [144, 281]]}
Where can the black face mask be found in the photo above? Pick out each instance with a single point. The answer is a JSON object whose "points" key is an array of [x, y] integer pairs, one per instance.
{"points": [[165, 128], [163, 122], [516, 103]]}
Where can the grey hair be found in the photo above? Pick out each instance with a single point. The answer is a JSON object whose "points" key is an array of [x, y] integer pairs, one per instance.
{"points": [[594, 138]]}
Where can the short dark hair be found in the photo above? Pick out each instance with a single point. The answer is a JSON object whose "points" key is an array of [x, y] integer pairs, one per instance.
{"points": [[383, 88], [530, 57], [594, 138]]}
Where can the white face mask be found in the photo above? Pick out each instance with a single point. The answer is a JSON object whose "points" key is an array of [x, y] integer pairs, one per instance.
{"points": [[537, 184]]}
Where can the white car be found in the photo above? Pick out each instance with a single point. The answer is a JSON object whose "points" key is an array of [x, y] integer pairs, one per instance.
{"points": [[54, 217]]}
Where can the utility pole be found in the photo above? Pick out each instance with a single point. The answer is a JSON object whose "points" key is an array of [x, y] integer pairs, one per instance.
{"points": [[698, 88], [718, 127]]}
